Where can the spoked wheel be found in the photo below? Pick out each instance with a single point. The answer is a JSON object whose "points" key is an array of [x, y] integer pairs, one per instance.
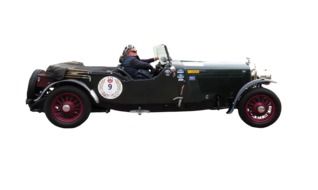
{"points": [[67, 107], [260, 107]]}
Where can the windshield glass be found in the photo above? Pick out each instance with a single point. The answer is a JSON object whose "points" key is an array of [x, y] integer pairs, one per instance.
{"points": [[161, 51]]}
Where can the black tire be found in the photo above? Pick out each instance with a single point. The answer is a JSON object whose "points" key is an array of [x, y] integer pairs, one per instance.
{"points": [[32, 84], [67, 107], [259, 107]]}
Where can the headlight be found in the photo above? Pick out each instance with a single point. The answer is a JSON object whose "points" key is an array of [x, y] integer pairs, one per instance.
{"points": [[264, 74], [255, 74]]}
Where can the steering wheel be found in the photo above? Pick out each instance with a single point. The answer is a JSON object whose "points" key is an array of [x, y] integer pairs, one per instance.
{"points": [[159, 67]]}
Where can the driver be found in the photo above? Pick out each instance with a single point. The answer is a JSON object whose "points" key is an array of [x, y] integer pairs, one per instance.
{"points": [[136, 67]]}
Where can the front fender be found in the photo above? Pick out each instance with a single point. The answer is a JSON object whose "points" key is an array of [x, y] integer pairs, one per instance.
{"points": [[245, 88]]}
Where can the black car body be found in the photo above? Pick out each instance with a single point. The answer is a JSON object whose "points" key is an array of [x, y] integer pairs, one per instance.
{"points": [[68, 92]]}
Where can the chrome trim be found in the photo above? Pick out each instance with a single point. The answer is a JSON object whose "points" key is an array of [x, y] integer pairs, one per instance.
{"points": [[90, 91], [94, 96], [244, 88], [179, 98]]}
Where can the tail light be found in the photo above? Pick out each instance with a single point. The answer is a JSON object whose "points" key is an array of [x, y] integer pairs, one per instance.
{"points": [[43, 80]]}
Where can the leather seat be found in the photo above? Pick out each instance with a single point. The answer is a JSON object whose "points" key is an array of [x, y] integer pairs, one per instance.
{"points": [[121, 71]]}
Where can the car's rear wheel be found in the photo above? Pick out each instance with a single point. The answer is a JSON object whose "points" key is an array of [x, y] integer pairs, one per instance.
{"points": [[67, 107], [259, 107]]}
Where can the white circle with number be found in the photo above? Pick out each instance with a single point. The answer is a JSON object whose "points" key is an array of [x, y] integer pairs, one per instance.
{"points": [[110, 87]]}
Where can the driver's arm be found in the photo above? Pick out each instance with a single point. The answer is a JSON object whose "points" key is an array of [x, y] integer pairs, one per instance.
{"points": [[150, 60], [140, 64]]}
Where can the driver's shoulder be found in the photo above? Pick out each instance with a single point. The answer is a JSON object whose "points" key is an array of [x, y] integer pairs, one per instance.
{"points": [[127, 60]]}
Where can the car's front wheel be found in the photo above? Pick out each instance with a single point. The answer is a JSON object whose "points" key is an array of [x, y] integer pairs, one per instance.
{"points": [[259, 107], [67, 107]]}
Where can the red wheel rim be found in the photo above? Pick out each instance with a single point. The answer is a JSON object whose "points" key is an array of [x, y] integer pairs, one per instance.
{"points": [[67, 107], [260, 108]]}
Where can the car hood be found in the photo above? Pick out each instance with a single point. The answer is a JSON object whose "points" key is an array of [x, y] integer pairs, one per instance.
{"points": [[210, 65]]}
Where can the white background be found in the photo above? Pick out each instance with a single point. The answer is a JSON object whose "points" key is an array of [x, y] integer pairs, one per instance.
{"points": [[192, 150]]}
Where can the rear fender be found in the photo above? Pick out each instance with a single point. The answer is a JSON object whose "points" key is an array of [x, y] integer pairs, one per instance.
{"points": [[69, 81]]}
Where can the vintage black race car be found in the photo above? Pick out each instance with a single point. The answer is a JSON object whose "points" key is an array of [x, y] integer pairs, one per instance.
{"points": [[69, 92]]}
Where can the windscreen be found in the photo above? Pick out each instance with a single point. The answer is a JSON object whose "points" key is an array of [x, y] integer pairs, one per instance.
{"points": [[161, 52]]}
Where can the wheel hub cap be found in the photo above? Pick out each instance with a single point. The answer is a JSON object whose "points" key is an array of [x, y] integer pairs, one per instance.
{"points": [[261, 109], [66, 108]]}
